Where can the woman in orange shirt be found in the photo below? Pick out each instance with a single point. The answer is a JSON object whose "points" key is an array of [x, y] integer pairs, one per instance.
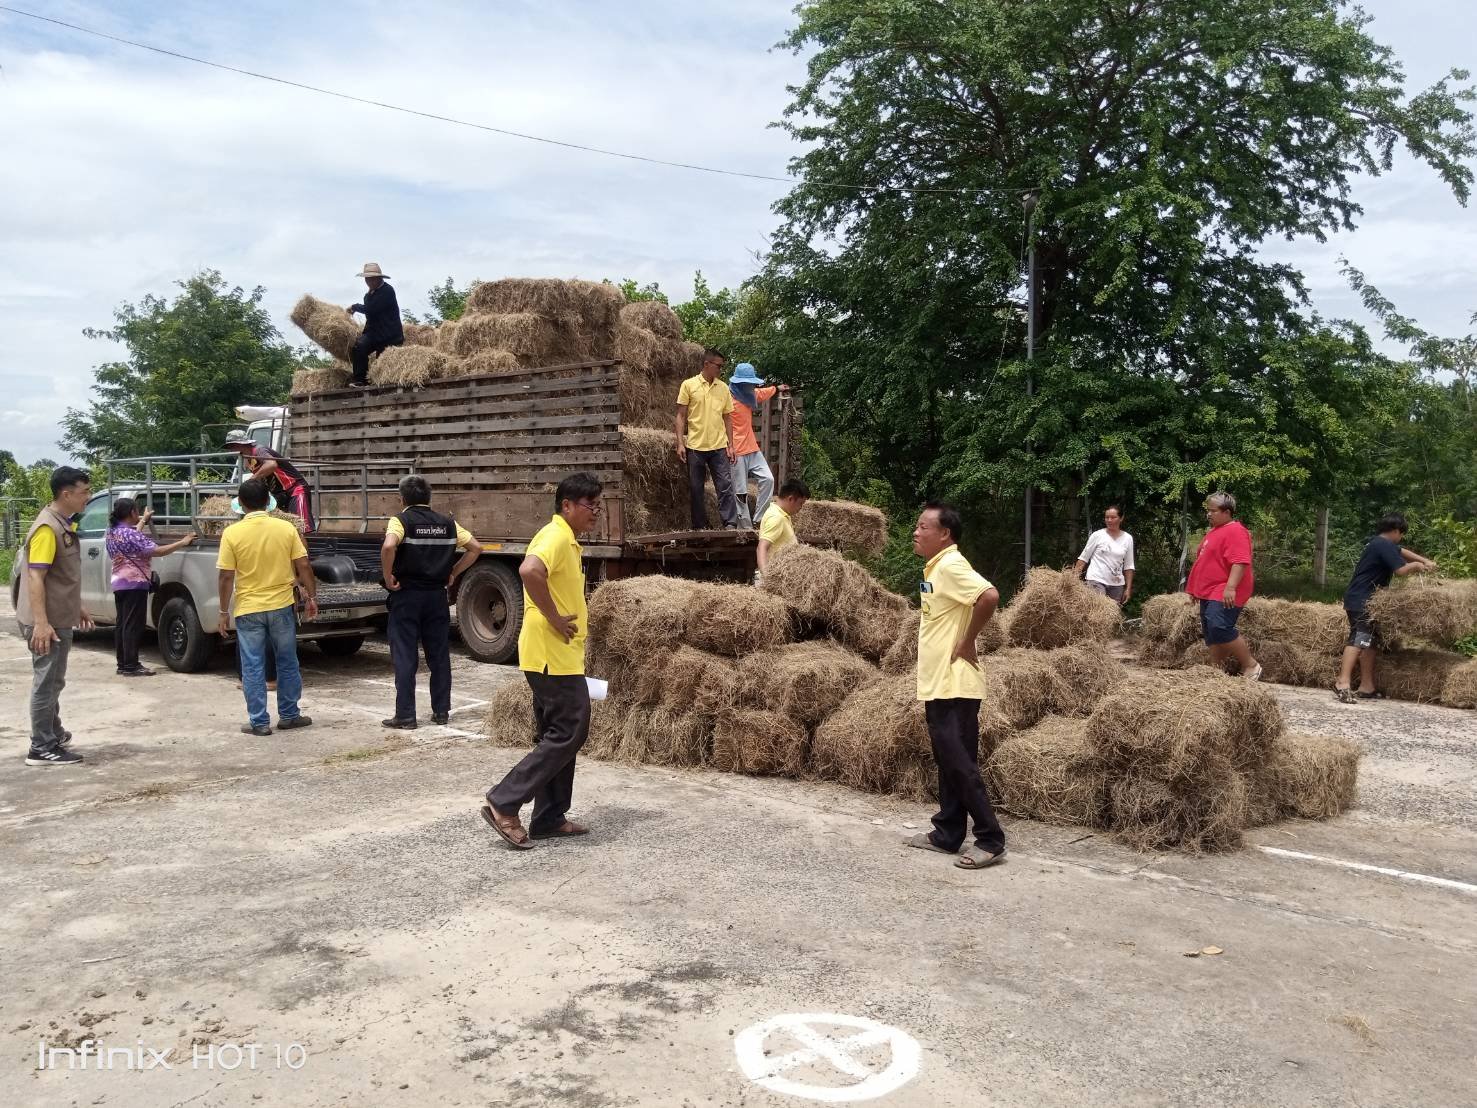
{"points": [[749, 464]]}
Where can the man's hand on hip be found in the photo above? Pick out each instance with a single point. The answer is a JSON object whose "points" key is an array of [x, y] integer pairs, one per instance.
{"points": [[964, 650]]}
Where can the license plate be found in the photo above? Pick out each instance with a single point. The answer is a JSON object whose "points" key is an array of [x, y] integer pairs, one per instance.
{"points": [[334, 615]]}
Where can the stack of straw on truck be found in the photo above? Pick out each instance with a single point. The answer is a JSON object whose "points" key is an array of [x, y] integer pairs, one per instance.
{"points": [[786, 681], [1300, 642]]}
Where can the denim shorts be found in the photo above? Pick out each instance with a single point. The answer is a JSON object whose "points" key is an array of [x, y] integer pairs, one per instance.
{"points": [[1218, 622]]}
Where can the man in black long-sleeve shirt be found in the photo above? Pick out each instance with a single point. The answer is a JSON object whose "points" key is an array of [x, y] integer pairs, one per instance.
{"points": [[382, 326]]}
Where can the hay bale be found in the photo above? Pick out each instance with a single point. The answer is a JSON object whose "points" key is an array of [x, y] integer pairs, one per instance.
{"points": [[310, 381], [420, 334], [1054, 608], [508, 718], [607, 727], [804, 682], [1149, 813], [748, 740], [735, 620], [1431, 610], [1459, 690], [1172, 620], [1024, 687], [1050, 773], [588, 312], [844, 525], [220, 506], [662, 736], [531, 339], [1312, 628], [877, 740], [665, 357], [654, 316], [329, 325], [1287, 664], [484, 363], [654, 481], [631, 619], [1421, 675], [1088, 672], [1313, 776], [636, 391], [684, 679], [409, 366], [835, 592]]}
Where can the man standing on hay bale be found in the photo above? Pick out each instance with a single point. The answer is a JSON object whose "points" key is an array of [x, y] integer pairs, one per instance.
{"points": [[383, 327], [705, 440], [1383, 558], [957, 603], [777, 529], [1221, 580], [419, 562], [1108, 558], [744, 385], [277, 473], [551, 653]]}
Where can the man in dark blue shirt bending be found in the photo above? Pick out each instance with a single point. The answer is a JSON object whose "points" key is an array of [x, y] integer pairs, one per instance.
{"points": [[1383, 558], [382, 325]]}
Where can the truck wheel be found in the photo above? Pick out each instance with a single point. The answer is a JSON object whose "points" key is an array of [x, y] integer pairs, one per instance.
{"points": [[182, 641], [489, 611], [343, 647]]}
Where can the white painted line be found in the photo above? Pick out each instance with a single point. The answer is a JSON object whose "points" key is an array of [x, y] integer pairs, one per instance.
{"points": [[469, 707], [1384, 871], [832, 1056]]}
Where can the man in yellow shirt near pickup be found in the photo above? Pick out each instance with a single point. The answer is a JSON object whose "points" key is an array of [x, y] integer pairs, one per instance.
{"points": [[551, 654], [705, 440], [777, 528], [957, 603], [259, 559]]}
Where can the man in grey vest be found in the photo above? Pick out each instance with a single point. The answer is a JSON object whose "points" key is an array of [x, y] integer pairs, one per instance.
{"points": [[50, 611], [419, 560]]}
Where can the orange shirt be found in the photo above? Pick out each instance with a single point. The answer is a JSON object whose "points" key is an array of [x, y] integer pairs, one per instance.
{"points": [[743, 422]]}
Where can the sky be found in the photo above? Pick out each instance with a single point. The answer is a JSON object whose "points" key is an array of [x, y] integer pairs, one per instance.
{"points": [[122, 171]]}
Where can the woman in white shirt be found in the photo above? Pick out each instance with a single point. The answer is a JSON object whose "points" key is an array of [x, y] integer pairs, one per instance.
{"points": [[1108, 558]]}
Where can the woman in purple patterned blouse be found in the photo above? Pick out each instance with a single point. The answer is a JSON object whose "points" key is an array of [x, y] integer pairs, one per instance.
{"points": [[133, 552]]}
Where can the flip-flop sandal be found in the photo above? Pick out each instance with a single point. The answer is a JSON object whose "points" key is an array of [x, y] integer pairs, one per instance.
{"points": [[560, 833], [490, 817], [972, 857], [1344, 696], [922, 842], [1370, 695]]}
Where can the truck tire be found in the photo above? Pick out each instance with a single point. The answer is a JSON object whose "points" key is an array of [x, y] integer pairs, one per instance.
{"points": [[489, 611], [343, 647], [182, 641]]}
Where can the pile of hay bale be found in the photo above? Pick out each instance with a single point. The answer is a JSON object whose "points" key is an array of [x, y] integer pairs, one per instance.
{"points": [[216, 515], [785, 681], [1301, 642]]}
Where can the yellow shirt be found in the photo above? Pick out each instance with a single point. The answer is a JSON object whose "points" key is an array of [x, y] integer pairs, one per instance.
{"points": [[396, 528], [261, 549], [540, 649], [950, 588], [776, 529], [707, 402]]}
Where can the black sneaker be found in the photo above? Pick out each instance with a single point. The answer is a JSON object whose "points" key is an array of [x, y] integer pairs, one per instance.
{"points": [[260, 732], [141, 671], [295, 721], [56, 756], [400, 724], [65, 739], [441, 719]]}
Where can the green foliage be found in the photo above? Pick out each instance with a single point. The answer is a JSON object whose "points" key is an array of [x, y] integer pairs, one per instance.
{"points": [[634, 292], [448, 301], [189, 363]]}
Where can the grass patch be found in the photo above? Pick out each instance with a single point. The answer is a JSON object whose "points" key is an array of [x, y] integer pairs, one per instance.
{"points": [[156, 791], [365, 753]]}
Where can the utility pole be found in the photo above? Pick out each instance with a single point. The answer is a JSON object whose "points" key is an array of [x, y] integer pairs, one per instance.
{"points": [[1029, 202]]}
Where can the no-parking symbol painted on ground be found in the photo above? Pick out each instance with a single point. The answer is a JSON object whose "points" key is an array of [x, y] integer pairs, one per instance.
{"points": [[841, 1058]]}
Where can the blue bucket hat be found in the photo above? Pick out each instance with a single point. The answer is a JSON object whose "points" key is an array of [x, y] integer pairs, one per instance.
{"points": [[743, 374]]}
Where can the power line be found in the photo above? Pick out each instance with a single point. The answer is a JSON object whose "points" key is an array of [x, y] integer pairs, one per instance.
{"points": [[488, 127]]}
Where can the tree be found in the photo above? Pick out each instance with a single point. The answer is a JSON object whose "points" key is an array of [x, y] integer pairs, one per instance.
{"points": [[447, 302], [190, 363], [1166, 143]]}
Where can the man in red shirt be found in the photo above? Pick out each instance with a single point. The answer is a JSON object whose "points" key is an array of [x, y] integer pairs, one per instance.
{"points": [[1221, 580]]}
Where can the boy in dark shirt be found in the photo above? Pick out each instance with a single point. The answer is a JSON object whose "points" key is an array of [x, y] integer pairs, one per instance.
{"points": [[1383, 559]]}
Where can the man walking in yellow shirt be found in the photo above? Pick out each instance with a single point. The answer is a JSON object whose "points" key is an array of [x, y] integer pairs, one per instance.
{"points": [[705, 440], [957, 603], [260, 556], [551, 653]]}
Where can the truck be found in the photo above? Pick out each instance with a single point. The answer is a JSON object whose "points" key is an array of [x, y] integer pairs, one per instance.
{"points": [[493, 448]]}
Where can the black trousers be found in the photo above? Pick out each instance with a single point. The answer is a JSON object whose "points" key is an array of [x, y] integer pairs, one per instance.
{"points": [[561, 721], [132, 606], [954, 729], [364, 346], [699, 464], [420, 617]]}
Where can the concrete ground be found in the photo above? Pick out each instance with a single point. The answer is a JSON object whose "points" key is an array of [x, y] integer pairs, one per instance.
{"points": [[321, 917]]}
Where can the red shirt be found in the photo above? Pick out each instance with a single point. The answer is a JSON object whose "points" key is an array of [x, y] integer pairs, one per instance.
{"points": [[1223, 547]]}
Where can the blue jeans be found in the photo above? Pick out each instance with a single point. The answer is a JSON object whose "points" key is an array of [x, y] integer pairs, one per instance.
{"points": [[255, 634]]}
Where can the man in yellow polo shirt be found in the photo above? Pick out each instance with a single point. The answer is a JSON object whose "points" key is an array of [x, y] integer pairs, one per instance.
{"points": [[705, 440], [957, 603], [776, 528], [551, 654], [260, 557]]}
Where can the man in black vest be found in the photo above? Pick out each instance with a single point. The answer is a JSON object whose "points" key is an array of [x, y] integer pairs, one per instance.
{"points": [[420, 563]]}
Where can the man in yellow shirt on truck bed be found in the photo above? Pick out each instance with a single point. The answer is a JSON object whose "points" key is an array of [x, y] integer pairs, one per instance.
{"points": [[705, 440]]}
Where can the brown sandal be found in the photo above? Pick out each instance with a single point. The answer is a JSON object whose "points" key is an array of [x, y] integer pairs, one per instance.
{"points": [[565, 830], [508, 827]]}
